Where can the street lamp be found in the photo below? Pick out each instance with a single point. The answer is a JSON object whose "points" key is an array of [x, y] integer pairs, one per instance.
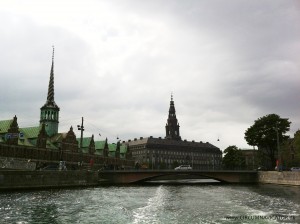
{"points": [[278, 154], [192, 160], [81, 129]]}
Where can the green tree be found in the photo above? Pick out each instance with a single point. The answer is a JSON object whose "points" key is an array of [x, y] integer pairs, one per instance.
{"points": [[266, 133], [162, 166], [290, 151], [175, 164], [233, 159]]}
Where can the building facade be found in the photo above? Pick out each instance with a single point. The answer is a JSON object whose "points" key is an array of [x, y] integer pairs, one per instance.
{"points": [[44, 143], [171, 151]]}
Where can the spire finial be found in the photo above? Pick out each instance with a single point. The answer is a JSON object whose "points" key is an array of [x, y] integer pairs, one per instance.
{"points": [[52, 53], [171, 96]]}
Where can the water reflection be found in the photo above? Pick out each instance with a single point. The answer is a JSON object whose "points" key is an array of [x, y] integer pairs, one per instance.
{"points": [[278, 191], [179, 203], [44, 214]]}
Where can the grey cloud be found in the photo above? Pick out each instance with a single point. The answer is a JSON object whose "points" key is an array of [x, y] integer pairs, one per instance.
{"points": [[227, 62]]}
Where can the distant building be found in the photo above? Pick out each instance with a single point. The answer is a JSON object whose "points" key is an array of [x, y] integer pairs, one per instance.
{"points": [[45, 135], [159, 153], [43, 143]]}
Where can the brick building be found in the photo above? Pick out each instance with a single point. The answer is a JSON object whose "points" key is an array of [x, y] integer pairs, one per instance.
{"points": [[43, 143]]}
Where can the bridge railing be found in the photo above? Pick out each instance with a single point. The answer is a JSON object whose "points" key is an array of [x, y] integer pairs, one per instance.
{"points": [[72, 158]]}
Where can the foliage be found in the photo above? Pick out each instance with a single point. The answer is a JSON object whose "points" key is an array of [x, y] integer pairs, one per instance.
{"points": [[162, 166], [233, 158], [266, 133], [290, 151], [175, 164]]}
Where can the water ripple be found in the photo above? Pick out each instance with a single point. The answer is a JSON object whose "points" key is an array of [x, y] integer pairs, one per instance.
{"points": [[152, 204]]}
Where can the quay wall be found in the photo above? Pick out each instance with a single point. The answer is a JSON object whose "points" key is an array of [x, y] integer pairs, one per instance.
{"points": [[16, 179], [275, 177]]}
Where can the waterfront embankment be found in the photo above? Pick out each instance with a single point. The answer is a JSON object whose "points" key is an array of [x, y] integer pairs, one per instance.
{"points": [[13, 180], [16, 179], [282, 178]]}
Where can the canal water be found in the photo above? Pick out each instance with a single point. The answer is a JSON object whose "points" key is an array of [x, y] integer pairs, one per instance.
{"points": [[158, 203]]}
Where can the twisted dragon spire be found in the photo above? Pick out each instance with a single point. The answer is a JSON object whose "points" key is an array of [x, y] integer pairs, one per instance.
{"points": [[50, 96]]}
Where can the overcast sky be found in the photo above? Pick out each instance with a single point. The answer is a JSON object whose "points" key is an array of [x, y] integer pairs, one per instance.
{"points": [[117, 62]]}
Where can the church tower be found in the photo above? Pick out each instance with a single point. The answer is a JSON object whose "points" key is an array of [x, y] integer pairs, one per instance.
{"points": [[172, 126], [50, 111]]}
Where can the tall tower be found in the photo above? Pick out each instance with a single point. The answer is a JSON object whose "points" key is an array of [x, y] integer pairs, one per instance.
{"points": [[50, 111], [172, 126]]}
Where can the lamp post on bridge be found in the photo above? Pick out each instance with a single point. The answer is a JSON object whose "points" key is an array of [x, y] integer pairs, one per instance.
{"points": [[278, 154], [81, 129]]}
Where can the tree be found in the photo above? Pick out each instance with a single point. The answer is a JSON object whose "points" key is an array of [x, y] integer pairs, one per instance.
{"points": [[233, 158], [175, 164], [162, 166], [267, 133], [290, 151]]}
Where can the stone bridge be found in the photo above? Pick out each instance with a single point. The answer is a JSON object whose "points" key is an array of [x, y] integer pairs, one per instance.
{"points": [[138, 176]]}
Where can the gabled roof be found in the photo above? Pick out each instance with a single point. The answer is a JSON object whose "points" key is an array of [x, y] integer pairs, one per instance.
{"points": [[112, 147], [99, 145], [26, 133], [30, 132], [85, 142], [5, 125], [123, 149]]}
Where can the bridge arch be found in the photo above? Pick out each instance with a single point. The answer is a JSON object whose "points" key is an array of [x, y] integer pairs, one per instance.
{"points": [[176, 176], [146, 175]]}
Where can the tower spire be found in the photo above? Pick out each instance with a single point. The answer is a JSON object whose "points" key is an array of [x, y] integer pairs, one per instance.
{"points": [[50, 96], [172, 126], [50, 111]]}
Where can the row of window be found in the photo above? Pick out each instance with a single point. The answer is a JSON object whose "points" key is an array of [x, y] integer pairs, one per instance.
{"points": [[181, 161], [192, 154]]}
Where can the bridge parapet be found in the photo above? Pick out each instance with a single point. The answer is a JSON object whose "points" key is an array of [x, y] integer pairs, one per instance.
{"points": [[135, 176]]}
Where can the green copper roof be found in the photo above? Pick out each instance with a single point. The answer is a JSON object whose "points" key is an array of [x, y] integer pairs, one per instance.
{"points": [[5, 125], [25, 133], [85, 142], [30, 132], [99, 145], [112, 147], [123, 149]]}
